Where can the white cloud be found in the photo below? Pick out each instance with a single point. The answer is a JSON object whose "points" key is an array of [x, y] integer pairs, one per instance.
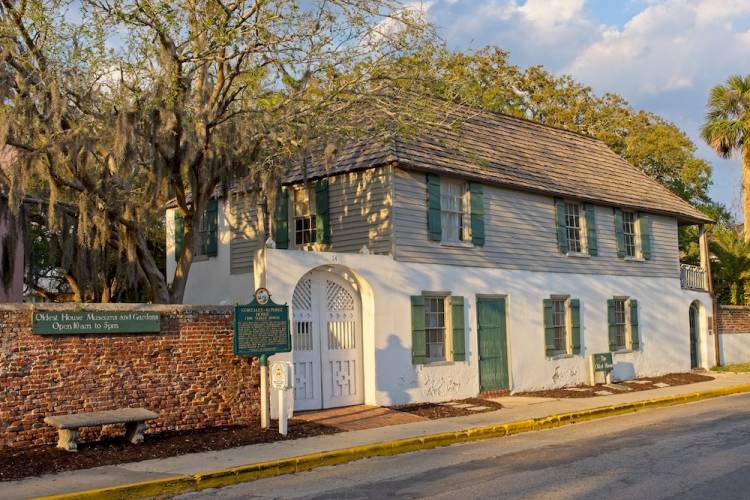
{"points": [[547, 14], [555, 30], [670, 45], [408, 14]]}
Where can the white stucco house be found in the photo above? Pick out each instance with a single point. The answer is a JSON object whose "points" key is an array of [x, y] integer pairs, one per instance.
{"points": [[491, 254]]}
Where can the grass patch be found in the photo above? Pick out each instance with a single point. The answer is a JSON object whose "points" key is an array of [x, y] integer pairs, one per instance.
{"points": [[737, 368]]}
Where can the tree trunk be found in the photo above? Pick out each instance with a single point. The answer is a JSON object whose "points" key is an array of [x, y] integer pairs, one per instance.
{"points": [[746, 191]]}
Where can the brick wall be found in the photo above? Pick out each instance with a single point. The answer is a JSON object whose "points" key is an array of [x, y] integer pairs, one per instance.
{"points": [[733, 319], [186, 373]]}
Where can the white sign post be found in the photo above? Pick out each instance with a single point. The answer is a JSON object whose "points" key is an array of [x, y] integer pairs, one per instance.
{"points": [[281, 379]]}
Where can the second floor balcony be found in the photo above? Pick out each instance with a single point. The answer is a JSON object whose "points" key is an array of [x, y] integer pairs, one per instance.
{"points": [[693, 277]]}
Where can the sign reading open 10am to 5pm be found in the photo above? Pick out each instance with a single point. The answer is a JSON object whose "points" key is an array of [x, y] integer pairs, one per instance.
{"points": [[83, 322]]}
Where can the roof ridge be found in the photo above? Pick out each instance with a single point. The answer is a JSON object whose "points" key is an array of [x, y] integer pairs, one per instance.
{"points": [[525, 120]]}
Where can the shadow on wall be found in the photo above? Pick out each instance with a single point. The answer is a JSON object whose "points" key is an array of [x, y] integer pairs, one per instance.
{"points": [[396, 387]]}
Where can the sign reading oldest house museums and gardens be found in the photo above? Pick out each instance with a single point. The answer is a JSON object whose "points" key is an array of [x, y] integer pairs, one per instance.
{"points": [[261, 328], [82, 322]]}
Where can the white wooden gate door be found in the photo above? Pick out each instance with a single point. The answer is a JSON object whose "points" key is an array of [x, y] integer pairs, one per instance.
{"points": [[327, 343]]}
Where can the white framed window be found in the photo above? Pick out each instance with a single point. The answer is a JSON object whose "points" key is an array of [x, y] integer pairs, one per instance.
{"points": [[630, 234], [560, 325], [455, 211], [575, 228], [620, 324], [436, 326], [304, 221]]}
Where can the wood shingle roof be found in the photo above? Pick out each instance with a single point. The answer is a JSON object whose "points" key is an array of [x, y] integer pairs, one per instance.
{"points": [[516, 153]]}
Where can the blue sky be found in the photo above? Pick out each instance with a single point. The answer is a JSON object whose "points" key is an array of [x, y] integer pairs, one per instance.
{"points": [[661, 55]]}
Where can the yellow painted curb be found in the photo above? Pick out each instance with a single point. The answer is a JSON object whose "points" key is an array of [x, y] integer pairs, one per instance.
{"points": [[251, 472], [165, 486]]}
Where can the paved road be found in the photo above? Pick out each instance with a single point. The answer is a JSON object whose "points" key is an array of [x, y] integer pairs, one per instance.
{"points": [[695, 451]]}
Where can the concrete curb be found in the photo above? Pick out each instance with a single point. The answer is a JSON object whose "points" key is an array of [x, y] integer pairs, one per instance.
{"points": [[251, 472]]}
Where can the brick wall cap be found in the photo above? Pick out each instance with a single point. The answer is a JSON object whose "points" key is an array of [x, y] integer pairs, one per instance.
{"points": [[76, 307]]}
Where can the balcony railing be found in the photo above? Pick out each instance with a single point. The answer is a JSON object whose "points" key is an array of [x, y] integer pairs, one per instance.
{"points": [[692, 277]]}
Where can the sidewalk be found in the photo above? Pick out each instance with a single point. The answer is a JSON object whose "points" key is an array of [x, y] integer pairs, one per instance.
{"points": [[515, 409]]}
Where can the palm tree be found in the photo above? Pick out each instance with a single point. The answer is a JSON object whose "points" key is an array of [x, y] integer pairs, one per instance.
{"points": [[731, 265], [727, 130]]}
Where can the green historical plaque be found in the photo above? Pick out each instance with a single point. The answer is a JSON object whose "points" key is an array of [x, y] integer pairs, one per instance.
{"points": [[603, 362], [94, 322], [261, 328]]}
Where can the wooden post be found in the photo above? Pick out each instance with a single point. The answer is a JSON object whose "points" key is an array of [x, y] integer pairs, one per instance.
{"points": [[265, 414], [706, 265], [705, 257], [282, 412]]}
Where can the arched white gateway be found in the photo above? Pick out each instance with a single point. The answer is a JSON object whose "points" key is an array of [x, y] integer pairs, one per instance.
{"points": [[326, 342]]}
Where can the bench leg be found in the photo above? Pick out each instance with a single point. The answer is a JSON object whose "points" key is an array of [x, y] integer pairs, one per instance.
{"points": [[134, 431], [67, 439]]}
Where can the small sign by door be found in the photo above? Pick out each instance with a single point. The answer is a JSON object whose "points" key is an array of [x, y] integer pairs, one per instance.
{"points": [[603, 362]]}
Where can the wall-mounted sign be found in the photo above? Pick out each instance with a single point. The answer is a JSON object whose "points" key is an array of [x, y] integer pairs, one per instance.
{"points": [[83, 322], [603, 362], [261, 327]]}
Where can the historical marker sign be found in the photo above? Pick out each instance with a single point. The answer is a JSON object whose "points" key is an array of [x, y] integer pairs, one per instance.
{"points": [[603, 362], [261, 327], [93, 322]]}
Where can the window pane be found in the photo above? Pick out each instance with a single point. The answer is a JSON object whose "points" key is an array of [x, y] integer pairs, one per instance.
{"points": [[559, 325], [620, 325], [629, 233], [305, 230], [435, 327], [202, 235], [573, 227], [454, 210]]}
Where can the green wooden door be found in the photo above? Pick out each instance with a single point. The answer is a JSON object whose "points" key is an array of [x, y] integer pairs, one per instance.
{"points": [[493, 354], [693, 336]]}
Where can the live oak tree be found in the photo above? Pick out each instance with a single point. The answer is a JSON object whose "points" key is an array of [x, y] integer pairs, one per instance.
{"points": [[116, 107]]}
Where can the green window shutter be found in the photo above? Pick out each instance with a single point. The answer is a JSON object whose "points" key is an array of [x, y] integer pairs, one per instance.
{"points": [[549, 332], [575, 320], [611, 322], [212, 216], [457, 320], [644, 227], [322, 226], [418, 334], [477, 213], [281, 219], [434, 224], [179, 233], [619, 236], [634, 334], [562, 233], [591, 239]]}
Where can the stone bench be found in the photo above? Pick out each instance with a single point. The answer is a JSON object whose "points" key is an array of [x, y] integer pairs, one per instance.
{"points": [[68, 425]]}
